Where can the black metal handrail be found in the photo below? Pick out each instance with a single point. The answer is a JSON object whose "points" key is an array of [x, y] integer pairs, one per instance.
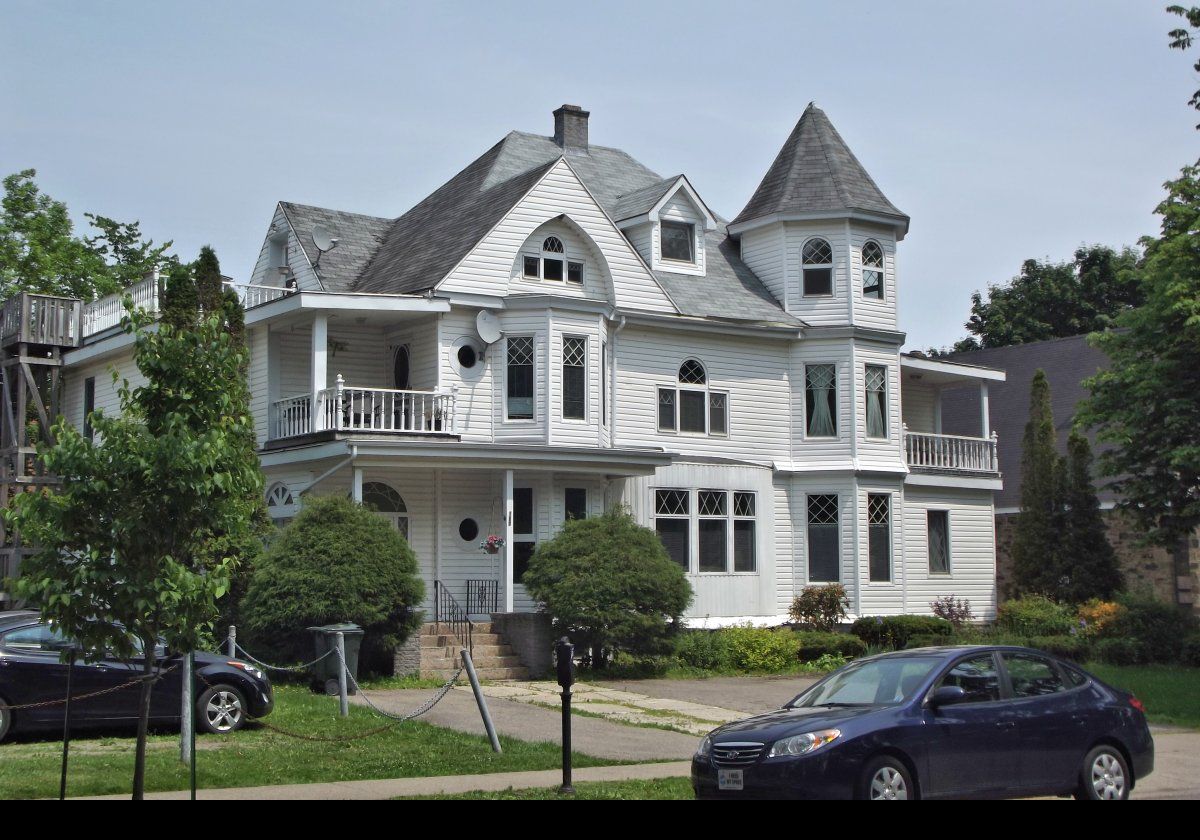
{"points": [[447, 610], [483, 597]]}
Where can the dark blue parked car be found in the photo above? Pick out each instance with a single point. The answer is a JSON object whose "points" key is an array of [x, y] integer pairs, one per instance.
{"points": [[32, 673], [947, 722]]}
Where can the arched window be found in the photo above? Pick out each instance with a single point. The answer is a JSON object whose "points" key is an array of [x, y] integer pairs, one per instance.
{"points": [[818, 268], [384, 500], [690, 405], [551, 263], [400, 369], [872, 270], [281, 503]]}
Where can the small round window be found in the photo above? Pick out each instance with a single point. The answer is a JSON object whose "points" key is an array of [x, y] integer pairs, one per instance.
{"points": [[467, 357], [468, 530]]}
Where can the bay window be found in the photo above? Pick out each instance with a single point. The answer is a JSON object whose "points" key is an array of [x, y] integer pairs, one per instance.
{"points": [[820, 400], [876, 392], [519, 374]]}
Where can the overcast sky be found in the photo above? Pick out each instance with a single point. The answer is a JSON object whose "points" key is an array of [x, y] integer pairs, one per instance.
{"points": [[1005, 130]]}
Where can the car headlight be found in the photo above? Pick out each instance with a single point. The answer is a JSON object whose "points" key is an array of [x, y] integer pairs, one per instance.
{"points": [[249, 669], [804, 744], [705, 747]]}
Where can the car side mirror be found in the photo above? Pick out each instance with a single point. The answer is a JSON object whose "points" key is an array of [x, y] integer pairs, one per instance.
{"points": [[947, 695]]}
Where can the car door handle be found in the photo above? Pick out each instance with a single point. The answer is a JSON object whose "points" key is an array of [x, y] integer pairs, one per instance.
{"points": [[1006, 724]]}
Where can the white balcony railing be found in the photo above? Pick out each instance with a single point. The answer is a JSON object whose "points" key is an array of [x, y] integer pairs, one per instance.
{"points": [[108, 311], [951, 453], [253, 295], [345, 408]]}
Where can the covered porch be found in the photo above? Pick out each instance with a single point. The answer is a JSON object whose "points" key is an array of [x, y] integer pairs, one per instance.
{"points": [[927, 448], [448, 501]]}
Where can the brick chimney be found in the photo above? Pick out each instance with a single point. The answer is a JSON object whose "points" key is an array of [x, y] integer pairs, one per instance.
{"points": [[571, 128]]}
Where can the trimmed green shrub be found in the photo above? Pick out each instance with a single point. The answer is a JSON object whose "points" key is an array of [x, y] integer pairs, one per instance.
{"points": [[1076, 648], [336, 561], [760, 648], [705, 649], [1118, 651], [813, 645], [820, 608], [1158, 628], [1036, 615], [608, 583], [895, 631]]}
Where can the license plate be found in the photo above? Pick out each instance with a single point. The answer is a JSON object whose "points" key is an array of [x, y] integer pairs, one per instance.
{"points": [[729, 779]]}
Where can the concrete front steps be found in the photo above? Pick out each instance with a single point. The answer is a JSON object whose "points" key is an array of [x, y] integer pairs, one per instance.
{"points": [[493, 657]]}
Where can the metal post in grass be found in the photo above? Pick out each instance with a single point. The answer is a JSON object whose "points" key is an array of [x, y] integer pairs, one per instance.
{"points": [[62, 783], [187, 712], [231, 642], [190, 676], [564, 663], [343, 689], [480, 700]]}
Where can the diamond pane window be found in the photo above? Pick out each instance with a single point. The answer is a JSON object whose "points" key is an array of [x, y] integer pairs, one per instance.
{"points": [[717, 418], [666, 409], [520, 378], [817, 252], [574, 376], [938, 522], [743, 504], [692, 372], [872, 260], [824, 553], [818, 268], [575, 272], [672, 503], [383, 498], [879, 517], [553, 245], [877, 419], [712, 502], [822, 509]]}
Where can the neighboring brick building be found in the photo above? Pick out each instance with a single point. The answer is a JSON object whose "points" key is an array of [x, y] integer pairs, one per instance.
{"points": [[1174, 575]]}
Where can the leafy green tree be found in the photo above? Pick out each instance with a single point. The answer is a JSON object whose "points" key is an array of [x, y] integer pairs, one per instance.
{"points": [[40, 253], [1147, 403], [129, 541], [1089, 564], [1055, 300], [336, 561], [608, 583], [1035, 543], [1182, 39]]}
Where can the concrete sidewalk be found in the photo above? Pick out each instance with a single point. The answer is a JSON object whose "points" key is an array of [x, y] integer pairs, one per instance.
{"points": [[430, 785]]}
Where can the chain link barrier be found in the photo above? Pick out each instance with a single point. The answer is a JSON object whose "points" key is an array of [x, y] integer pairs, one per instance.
{"points": [[75, 698], [287, 669]]}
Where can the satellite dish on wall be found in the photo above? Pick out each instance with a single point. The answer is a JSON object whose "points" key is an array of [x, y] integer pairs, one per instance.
{"points": [[488, 327]]}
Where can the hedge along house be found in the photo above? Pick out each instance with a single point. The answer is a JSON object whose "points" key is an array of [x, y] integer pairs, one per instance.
{"points": [[558, 329]]}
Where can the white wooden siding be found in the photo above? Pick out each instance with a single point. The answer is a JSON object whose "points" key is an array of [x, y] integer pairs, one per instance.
{"points": [[263, 273], [679, 208], [763, 251], [972, 549]]}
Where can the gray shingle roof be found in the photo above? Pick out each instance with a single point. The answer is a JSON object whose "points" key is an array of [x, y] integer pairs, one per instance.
{"points": [[815, 171], [421, 247], [640, 202], [359, 237]]}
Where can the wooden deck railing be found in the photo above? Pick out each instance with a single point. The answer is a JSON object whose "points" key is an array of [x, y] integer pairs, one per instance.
{"points": [[108, 311], [41, 319], [926, 451]]}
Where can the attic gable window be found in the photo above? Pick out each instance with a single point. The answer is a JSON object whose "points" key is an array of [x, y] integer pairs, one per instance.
{"points": [[818, 268], [552, 264], [872, 270], [677, 242]]}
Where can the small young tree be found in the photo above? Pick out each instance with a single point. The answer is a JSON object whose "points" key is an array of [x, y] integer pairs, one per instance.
{"points": [[1089, 564], [608, 583], [1035, 560], [129, 552], [336, 561]]}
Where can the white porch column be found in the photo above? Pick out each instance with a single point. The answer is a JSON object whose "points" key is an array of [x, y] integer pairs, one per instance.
{"points": [[319, 366], [985, 424], [356, 486], [508, 541], [937, 411]]}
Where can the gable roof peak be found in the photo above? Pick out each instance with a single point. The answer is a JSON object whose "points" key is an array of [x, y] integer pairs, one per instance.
{"points": [[814, 173]]}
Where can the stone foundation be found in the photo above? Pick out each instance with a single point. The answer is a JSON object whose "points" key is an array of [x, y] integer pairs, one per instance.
{"points": [[531, 638], [1176, 580], [407, 658]]}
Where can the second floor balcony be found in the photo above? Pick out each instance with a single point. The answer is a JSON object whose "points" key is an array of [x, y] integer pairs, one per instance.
{"points": [[935, 453], [348, 408]]}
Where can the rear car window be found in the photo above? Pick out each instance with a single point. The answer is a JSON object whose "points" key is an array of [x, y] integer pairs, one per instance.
{"points": [[977, 676], [1032, 676], [40, 637]]}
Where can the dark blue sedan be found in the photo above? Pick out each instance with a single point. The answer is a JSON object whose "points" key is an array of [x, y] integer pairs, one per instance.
{"points": [[952, 722]]}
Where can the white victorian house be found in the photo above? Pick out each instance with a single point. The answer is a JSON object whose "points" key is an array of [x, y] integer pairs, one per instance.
{"points": [[559, 329]]}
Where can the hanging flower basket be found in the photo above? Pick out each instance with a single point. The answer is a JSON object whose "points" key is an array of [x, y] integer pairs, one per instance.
{"points": [[492, 544]]}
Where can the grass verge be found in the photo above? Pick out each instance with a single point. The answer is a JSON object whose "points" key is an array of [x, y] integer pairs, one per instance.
{"points": [[679, 788], [1171, 693]]}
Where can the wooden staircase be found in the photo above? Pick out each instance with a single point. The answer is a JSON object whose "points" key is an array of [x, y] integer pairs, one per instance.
{"points": [[493, 657]]}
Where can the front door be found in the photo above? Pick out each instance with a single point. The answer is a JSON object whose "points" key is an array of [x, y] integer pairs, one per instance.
{"points": [[974, 746]]}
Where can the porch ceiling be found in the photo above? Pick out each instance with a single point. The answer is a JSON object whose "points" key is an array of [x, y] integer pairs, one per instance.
{"points": [[938, 373]]}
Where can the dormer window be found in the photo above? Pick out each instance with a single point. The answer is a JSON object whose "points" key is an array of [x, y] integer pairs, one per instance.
{"points": [[552, 264], [678, 242], [818, 268], [872, 270]]}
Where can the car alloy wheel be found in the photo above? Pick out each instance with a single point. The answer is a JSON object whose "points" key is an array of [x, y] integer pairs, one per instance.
{"points": [[223, 710], [888, 783], [1107, 776]]}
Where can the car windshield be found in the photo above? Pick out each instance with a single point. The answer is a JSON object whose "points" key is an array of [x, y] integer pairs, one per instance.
{"points": [[876, 682]]}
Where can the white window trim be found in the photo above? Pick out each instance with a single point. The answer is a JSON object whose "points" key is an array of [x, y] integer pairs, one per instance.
{"points": [[521, 421], [837, 403], [808, 578], [678, 387], [693, 518], [862, 269], [891, 543], [670, 261], [949, 545], [832, 266], [887, 390], [562, 384], [566, 258]]}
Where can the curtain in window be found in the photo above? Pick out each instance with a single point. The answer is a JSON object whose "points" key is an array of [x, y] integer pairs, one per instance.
{"points": [[876, 405], [821, 399]]}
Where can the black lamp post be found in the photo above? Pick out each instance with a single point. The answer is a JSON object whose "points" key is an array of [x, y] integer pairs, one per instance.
{"points": [[564, 655]]}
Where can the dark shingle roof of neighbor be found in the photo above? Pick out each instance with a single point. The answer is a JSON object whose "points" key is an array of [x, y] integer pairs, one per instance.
{"points": [[815, 171], [418, 249], [1067, 363], [358, 237]]}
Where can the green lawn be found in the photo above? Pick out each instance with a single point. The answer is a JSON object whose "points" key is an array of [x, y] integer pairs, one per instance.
{"points": [[1171, 693], [104, 764], [679, 788]]}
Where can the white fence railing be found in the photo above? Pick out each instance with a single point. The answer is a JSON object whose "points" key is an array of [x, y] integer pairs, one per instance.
{"points": [[107, 312], [253, 295], [345, 408], [951, 452]]}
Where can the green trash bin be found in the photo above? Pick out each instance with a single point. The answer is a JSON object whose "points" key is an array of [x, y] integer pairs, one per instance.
{"points": [[325, 672]]}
